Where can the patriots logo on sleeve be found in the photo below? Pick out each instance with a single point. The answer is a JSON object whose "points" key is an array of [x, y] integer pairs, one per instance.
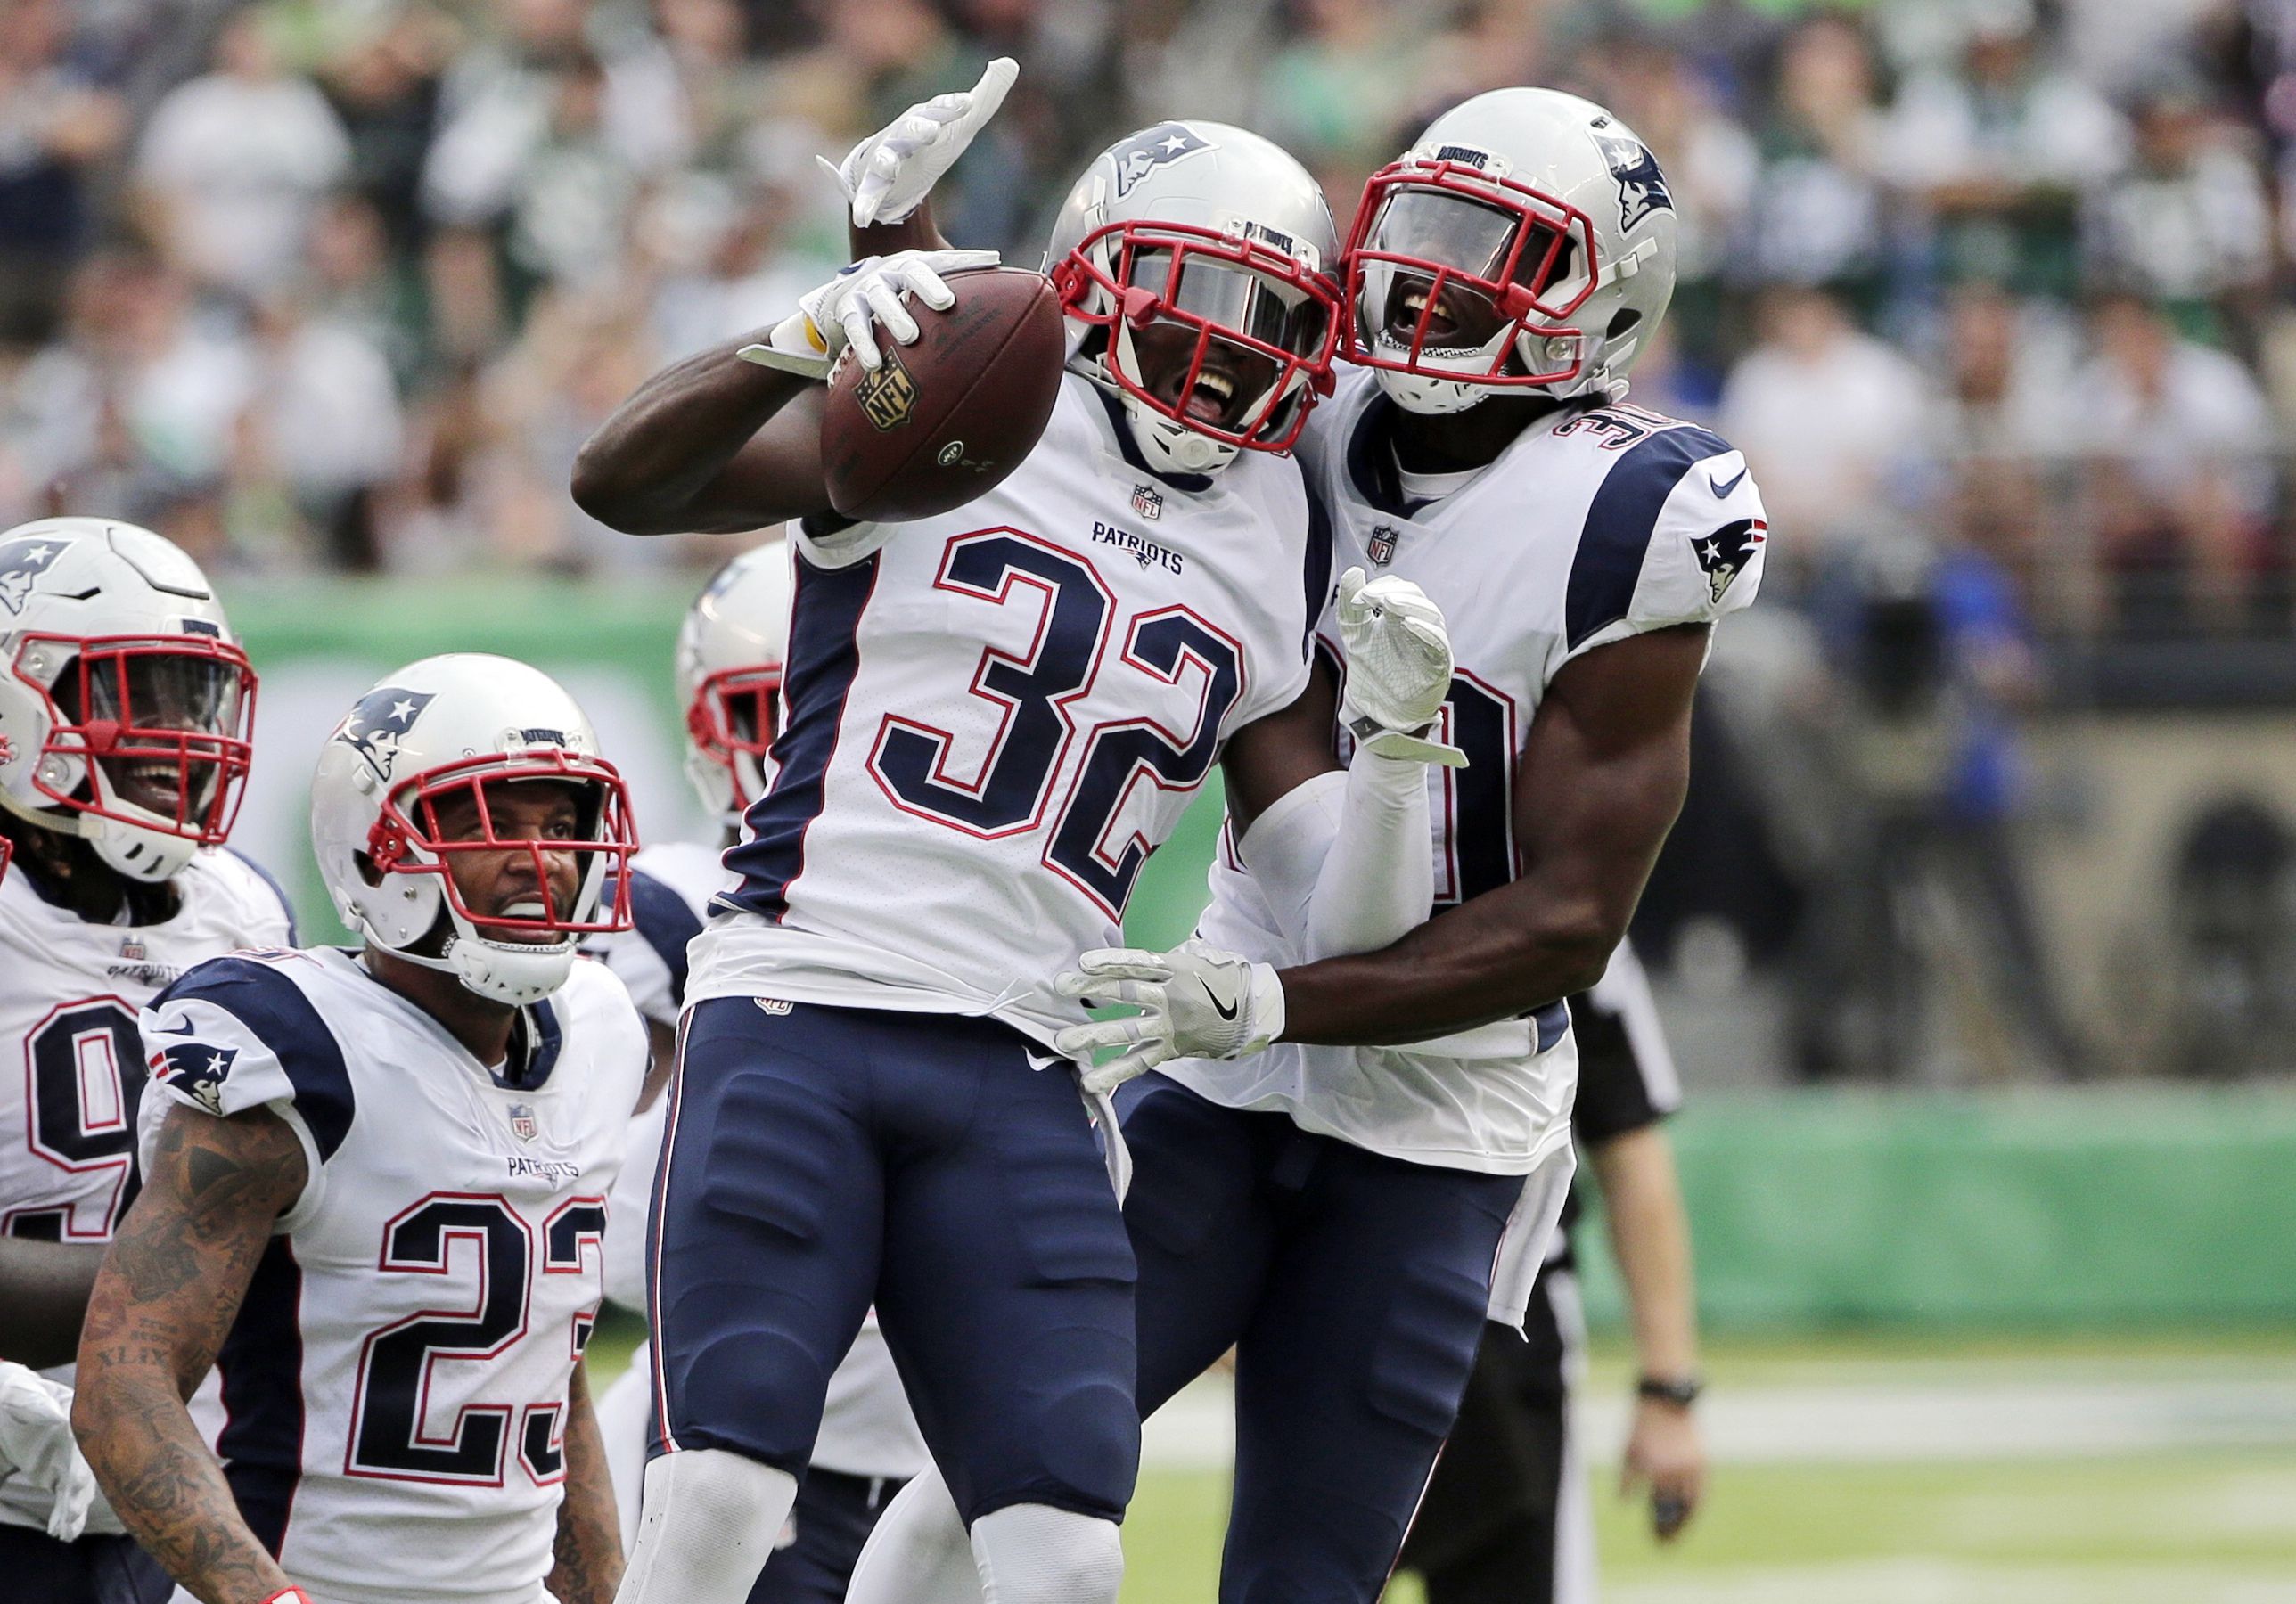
{"points": [[195, 1068], [377, 723], [1724, 553], [21, 562], [1150, 149], [1641, 187]]}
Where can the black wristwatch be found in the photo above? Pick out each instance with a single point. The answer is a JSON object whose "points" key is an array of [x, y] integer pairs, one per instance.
{"points": [[1682, 1394]]}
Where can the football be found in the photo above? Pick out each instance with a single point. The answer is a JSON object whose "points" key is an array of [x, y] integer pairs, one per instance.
{"points": [[946, 418]]}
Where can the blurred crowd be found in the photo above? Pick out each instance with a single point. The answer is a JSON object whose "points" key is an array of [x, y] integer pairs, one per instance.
{"points": [[338, 284], [1997, 295]]}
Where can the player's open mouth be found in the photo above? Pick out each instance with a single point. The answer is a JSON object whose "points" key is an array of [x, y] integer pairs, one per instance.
{"points": [[1209, 396], [155, 786], [1441, 326]]}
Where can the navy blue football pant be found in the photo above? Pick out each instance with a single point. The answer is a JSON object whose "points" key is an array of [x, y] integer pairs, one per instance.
{"points": [[95, 1570], [1353, 1288], [820, 1159]]}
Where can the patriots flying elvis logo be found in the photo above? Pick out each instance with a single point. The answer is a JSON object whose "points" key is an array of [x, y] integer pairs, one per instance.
{"points": [[380, 720], [21, 562], [1641, 187], [1724, 553], [1150, 149], [195, 1068]]}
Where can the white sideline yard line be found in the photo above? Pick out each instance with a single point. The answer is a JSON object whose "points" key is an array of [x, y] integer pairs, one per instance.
{"points": [[1915, 1419]]}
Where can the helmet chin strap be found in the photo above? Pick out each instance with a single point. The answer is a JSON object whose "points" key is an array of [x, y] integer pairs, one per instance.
{"points": [[515, 973], [1172, 447]]}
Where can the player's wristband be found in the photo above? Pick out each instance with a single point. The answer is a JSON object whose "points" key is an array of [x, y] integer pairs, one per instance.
{"points": [[1681, 1392]]}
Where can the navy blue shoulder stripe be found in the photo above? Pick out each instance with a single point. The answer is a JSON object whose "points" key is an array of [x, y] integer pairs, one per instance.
{"points": [[1619, 519], [286, 904], [1317, 574], [274, 1007], [666, 923]]}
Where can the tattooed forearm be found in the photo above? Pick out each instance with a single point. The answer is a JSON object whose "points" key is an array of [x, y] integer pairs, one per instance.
{"points": [[166, 1297], [588, 1554]]}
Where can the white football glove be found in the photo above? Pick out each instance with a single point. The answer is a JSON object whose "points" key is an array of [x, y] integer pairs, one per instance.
{"points": [[829, 318], [888, 174], [37, 1448], [1194, 1002], [1398, 668]]}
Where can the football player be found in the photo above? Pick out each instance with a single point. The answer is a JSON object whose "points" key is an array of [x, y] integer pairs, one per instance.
{"points": [[992, 717], [1343, 1212], [376, 1181], [126, 704], [729, 681]]}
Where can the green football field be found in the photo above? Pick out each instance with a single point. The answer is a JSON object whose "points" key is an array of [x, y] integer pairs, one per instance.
{"points": [[2097, 1470]]}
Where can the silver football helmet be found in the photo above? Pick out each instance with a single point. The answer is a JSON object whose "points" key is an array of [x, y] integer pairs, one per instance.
{"points": [[125, 703], [729, 678], [1192, 261], [1526, 241], [444, 733]]}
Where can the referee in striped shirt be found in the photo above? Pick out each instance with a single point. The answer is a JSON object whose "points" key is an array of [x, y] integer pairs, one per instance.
{"points": [[1507, 1517]]}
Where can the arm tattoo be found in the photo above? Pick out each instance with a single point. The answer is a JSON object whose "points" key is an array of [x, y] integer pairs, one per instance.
{"points": [[588, 1554], [164, 1300]]}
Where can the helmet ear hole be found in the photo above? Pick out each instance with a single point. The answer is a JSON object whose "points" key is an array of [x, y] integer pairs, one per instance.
{"points": [[366, 868], [1623, 324]]}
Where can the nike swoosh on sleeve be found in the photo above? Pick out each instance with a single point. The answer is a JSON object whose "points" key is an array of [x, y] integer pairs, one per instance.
{"points": [[1723, 487]]}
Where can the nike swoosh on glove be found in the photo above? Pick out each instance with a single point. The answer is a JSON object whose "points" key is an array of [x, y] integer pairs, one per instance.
{"points": [[36, 1447], [831, 316], [1194, 1002], [888, 174], [1399, 666]]}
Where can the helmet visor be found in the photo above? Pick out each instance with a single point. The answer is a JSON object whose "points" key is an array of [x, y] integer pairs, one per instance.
{"points": [[531, 847], [736, 715], [166, 723], [1228, 336]]}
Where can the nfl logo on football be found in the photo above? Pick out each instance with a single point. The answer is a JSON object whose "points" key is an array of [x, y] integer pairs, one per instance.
{"points": [[1147, 500], [522, 1122], [1381, 547]]}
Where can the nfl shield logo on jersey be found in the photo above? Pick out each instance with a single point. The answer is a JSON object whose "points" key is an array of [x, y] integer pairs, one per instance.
{"points": [[1381, 545], [1147, 500], [522, 1122]]}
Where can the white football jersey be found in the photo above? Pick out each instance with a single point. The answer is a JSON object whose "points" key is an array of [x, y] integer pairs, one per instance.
{"points": [[69, 992], [866, 1427], [396, 1378], [1596, 523], [994, 716]]}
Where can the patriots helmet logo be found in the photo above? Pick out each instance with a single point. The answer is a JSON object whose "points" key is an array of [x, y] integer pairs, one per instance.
{"points": [[1724, 553], [380, 721], [1149, 148], [196, 1068], [1641, 187], [24, 561]]}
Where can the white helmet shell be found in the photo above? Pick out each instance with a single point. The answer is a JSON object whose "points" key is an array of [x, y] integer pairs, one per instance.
{"points": [[120, 684], [1253, 226], [1580, 280], [447, 724], [729, 677]]}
